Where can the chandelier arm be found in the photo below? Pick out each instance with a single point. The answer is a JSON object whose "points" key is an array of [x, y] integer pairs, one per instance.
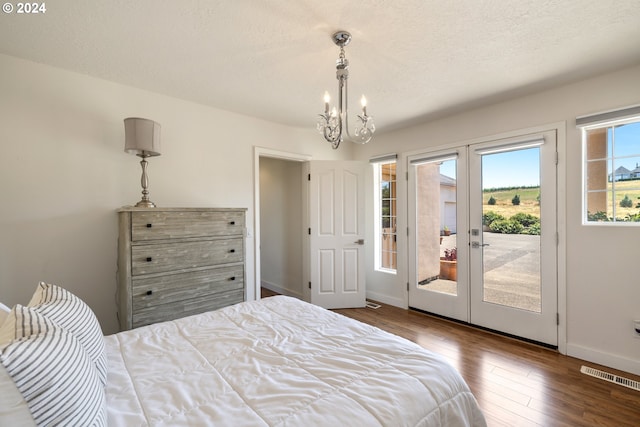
{"points": [[333, 136], [331, 133], [345, 89], [363, 135]]}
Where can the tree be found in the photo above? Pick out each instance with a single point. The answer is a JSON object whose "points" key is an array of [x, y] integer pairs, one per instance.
{"points": [[516, 200], [492, 201], [626, 202], [386, 205]]}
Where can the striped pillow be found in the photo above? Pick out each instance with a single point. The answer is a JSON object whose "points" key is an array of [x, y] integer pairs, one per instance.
{"points": [[52, 371], [70, 312]]}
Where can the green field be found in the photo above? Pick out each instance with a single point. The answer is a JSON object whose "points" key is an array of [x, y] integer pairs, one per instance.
{"points": [[528, 201], [628, 188]]}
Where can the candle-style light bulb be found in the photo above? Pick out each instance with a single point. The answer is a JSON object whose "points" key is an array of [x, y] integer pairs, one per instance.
{"points": [[334, 113], [363, 102], [327, 99]]}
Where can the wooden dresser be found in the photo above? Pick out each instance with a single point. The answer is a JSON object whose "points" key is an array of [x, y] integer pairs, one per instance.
{"points": [[175, 262]]}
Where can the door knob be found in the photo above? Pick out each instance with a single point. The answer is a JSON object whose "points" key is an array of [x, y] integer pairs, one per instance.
{"points": [[359, 242]]}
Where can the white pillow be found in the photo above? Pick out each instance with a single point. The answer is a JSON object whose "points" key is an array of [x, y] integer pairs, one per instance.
{"points": [[13, 408], [52, 371], [7, 328], [70, 312], [4, 312]]}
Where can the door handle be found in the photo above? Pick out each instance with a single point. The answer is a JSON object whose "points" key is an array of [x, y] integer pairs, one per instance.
{"points": [[476, 245], [359, 242]]}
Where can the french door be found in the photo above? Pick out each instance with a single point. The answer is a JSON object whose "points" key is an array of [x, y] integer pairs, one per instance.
{"points": [[502, 243], [438, 206]]}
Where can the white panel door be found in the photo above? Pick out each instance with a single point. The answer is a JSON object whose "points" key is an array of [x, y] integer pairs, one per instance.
{"points": [[336, 233]]}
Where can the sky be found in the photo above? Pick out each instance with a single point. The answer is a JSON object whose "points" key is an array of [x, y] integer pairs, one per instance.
{"points": [[624, 143], [521, 167]]}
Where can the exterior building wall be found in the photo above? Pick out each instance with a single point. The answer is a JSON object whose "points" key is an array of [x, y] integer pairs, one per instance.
{"points": [[428, 219], [448, 200], [597, 176]]}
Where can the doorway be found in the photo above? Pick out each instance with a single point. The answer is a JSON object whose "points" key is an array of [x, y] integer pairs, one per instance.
{"points": [[278, 223], [485, 247]]}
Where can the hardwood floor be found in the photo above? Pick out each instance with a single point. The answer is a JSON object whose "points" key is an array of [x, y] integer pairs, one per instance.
{"points": [[515, 383]]}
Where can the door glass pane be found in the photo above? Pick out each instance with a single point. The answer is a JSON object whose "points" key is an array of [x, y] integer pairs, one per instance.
{"points": [[388, 216], [613, 173], [436, 198], [511, 229]]}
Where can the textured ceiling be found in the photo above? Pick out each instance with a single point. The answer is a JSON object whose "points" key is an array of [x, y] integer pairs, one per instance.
{"points": [[414, 59]]}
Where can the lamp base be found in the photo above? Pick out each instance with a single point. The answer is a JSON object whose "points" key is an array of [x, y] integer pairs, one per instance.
{"points": [[145, 204]]}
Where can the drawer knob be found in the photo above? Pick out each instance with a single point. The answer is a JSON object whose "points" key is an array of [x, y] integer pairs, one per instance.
{"points": [[232, 278], [149, 292], [149, 259], [232, 223], [149, 225], [232, 250]]}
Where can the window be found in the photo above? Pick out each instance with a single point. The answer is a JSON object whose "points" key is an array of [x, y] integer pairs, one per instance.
{"points": [[386, 215], [611, 171]]}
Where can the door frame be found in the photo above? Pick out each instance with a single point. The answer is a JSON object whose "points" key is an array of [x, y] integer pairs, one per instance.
{"points": [[561, 205], [254, 294]]}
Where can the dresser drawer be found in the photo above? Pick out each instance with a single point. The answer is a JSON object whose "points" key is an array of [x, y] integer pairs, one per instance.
{"points": [[158, 258], [171, 288], [158, 225], [178, 309]]}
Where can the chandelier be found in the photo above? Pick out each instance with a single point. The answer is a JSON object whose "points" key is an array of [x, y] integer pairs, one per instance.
{"points": [[334, 124]]}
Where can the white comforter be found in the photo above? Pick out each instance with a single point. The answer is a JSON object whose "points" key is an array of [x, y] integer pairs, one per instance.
{"points": [[279, 362]]}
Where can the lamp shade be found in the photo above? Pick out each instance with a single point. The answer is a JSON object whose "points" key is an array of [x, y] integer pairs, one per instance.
{"points": [[142, 137]]}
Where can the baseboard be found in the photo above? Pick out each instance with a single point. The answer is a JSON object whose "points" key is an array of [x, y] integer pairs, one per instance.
{"points": [[281, 290], [605, 359], [386, 299]]}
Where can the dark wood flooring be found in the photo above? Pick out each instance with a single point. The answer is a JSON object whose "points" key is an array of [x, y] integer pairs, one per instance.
{"points": [[516, 383]]}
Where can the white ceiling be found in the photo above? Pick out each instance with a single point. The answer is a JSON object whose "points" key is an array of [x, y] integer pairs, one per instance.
{"points": [[414, 59]]}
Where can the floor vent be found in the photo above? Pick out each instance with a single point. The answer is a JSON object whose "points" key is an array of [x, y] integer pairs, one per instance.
{"points": [[626, 382], [373, 305]]}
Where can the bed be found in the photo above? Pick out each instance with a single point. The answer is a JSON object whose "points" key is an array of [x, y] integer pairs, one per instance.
{"points": [[277, 362]]}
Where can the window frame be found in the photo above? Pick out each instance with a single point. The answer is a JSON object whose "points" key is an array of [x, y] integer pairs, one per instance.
{"points": [[608, 126], [378, 201]]}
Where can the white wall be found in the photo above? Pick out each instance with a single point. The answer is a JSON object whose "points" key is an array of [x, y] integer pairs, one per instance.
{"points": [[602, 288], [63, 173], [281, 223]]}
